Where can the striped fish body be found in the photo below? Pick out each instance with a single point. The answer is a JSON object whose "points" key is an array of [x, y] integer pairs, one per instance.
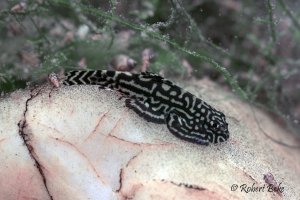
{"points": [[159, 100]]}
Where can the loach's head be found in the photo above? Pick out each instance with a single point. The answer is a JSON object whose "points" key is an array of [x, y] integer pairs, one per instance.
{"points": [[210, 125], [215, 126]]}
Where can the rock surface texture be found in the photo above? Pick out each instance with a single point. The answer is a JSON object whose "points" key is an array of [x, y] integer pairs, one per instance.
{"points": [[80, 142]]}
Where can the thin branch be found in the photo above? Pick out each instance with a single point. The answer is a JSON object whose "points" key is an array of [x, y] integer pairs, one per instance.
{"points": [[38, 29], [271, 21], [193, 27], [290, 14]]}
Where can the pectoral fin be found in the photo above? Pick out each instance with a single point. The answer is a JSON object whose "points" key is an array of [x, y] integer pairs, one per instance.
{"points": [[144, 110], [176, 126]]}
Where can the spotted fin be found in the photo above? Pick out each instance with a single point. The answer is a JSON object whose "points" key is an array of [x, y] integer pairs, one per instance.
{"points": [[145, 112], [177, 126]]}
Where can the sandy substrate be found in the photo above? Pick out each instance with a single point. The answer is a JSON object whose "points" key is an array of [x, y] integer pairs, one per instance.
{"points": [[80, 142]]}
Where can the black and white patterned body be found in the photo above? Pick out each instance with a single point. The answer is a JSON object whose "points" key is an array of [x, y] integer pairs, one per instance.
{"points": [[159, 100]]}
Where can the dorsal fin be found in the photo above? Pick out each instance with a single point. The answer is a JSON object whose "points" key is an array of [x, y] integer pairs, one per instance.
{"points": [[148, 74], [155, 77]]}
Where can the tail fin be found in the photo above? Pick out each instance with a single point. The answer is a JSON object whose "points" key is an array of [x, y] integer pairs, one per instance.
{"points": [[81, 77]]}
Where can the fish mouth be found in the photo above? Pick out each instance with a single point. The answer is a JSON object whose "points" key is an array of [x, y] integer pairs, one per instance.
{"points": [[227, 134]]}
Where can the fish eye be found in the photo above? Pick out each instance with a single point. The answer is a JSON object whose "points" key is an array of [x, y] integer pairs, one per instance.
{"points": [[214, 125]]}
